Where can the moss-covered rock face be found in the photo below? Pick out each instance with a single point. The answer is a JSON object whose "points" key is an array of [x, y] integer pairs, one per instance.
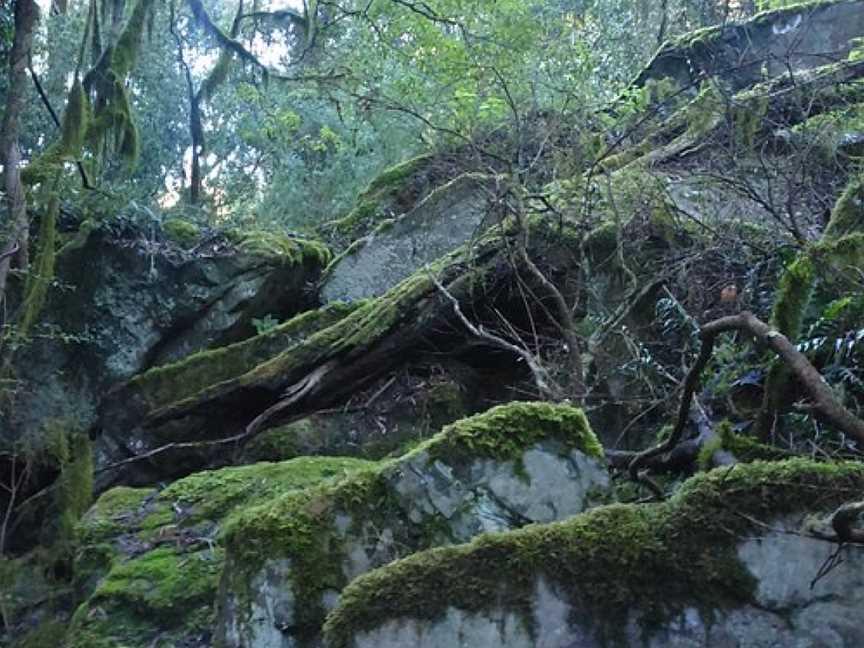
{"points": [[131, 302], [288, 559], [771, 43], [166, 384], [395, 191], [441, 223], [189, 401], [626, 574], [149, 561]]}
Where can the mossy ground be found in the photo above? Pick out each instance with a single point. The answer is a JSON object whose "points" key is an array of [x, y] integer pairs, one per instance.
{"points": [[609, 562]]}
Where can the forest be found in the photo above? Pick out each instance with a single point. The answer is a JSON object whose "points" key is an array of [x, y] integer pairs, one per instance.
{"points": [[433, 323]]}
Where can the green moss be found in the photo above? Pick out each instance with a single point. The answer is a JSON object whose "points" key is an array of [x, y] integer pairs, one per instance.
{"points": [[150, 595], [841, 247], [280, 443], [375, 202], [108, 516], [446, 400], [181, 232], [611, 561], [366, 325], [125, 53], [744, 448], [395, 176], [292, 250], [176, 381], [167, 587], [793, 296], [505, 431], [41, 274], [705, 112], [75, 120], [211, 494], [74, 489], [162, 582], [836, 255], [848, 213]]}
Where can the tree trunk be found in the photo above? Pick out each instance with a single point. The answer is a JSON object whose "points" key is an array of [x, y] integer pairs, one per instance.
{"points": [[14, 225]]}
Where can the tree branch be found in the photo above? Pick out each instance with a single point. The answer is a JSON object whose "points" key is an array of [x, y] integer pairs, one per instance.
{"points": [[824, 403]]}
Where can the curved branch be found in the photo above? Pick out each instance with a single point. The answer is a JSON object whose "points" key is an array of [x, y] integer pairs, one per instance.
{"points": [[824, 403], [843, 521]]}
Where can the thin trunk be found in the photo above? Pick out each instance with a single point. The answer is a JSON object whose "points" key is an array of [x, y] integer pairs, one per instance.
{"points": [[14, 225], [197, 131]]}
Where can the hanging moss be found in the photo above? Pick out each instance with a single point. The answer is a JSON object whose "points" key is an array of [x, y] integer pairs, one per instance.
{"points": [[793, 296], [75, 120], [74, 488], [41, 273], [125, 52], [112, 120], [848, 213]]}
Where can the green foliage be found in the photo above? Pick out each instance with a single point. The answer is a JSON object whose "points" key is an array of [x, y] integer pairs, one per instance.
{"points": [[264, 324]]}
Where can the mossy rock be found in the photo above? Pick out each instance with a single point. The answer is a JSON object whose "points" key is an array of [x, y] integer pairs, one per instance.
{"points": [[150, 561], [388, 195], [442, 222], [199, 399], [181, 232], [610, 563], [313, 541], [292, 250]]}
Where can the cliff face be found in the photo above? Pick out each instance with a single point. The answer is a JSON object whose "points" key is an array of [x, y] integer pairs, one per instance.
{"points": [[291, 448]]}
